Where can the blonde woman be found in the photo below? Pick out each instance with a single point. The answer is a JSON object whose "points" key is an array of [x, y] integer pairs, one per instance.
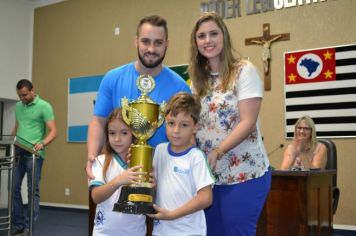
{"points": [[305, 152]]}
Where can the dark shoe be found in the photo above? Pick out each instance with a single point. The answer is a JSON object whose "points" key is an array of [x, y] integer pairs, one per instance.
{"points": [[26, 232], [16, 232]]}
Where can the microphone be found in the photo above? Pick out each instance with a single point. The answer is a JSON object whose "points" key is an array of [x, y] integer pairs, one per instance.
{"points": [[279, 147]]}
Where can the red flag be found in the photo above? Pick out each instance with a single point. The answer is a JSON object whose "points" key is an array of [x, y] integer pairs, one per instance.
{"points": [[330, 101], [310, 66]]}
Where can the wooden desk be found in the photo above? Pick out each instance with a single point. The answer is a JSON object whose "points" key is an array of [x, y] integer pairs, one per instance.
{"points": [[299, 203]]}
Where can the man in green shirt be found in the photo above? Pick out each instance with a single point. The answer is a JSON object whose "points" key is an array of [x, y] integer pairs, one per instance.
{"points": [[35, 128]]}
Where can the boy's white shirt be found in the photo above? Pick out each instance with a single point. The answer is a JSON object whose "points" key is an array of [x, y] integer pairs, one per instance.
{"points": [[179, 178]]}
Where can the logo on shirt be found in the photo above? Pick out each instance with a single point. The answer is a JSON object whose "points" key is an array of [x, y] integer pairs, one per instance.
{"points": [[156, 222], [179, 170], [99, 218]]}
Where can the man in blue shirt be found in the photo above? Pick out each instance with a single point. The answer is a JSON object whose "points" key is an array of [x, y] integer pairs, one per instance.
{"points": [[151, 43]]}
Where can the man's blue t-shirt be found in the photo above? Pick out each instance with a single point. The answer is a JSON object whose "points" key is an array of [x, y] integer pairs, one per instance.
{"points": [[121, 82]]}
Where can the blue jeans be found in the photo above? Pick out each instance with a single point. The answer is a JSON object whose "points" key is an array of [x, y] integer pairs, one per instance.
{"points": [[24, 166]]}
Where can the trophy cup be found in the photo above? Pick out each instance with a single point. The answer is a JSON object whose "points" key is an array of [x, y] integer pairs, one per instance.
{"points": [[143, 116]]}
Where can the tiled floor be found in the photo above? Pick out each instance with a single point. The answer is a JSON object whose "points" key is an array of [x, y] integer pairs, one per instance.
{"points": [[73, 222]]}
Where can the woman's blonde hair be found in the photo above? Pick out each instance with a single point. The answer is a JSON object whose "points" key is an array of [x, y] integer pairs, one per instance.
{"points": [[310, 123], [199, 68]]}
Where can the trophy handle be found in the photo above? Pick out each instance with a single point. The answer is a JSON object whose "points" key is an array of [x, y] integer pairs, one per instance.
{"points": [[162, 108], [125, 110]]}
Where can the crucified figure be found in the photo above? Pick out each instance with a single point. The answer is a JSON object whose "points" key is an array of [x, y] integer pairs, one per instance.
{"points": [[266, 51]]}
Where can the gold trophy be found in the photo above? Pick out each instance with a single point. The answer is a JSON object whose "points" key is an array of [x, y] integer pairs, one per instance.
{"points": [[143, 116]]}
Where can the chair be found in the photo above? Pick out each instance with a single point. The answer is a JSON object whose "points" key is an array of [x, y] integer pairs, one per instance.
{"points": [[332, 165]]}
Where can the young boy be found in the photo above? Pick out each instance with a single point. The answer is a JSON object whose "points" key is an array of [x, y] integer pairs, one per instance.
{"points": [[184, 180]]}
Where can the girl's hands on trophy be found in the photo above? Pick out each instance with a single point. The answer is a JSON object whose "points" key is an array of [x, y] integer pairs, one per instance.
{"points": [[162, 213], [132, 175]]}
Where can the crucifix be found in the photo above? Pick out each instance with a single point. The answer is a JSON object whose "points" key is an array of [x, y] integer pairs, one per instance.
{"points": [[266, 40]]}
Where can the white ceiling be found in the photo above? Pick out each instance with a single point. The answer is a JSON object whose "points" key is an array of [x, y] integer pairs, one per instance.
{"points": [[41, 3]]}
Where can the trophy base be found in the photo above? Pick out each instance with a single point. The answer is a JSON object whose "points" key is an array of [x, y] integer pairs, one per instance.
{"points": [[135, 200]]}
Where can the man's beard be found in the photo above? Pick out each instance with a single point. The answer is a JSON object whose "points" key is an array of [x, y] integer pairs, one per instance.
{"points": [[151, 65]]}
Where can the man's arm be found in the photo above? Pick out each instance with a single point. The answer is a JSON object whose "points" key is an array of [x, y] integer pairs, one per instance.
{"points": [[51, 135], [96, 140], [52, 132]]}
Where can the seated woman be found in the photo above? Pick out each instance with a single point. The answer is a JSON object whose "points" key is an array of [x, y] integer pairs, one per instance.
{"points": [[305, 152]]}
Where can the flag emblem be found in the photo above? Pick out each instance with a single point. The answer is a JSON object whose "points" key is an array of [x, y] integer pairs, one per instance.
{"points": [[321, 83], [310, 66]]}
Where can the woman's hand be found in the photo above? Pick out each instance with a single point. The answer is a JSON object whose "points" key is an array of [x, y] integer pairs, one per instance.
{"points": [[302, 151], [212, 159], [300, 146]]}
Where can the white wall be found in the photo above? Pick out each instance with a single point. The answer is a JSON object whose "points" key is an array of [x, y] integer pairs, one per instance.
{"points": [[16, 24], [41, 3], [9, 117], [16, 36]]}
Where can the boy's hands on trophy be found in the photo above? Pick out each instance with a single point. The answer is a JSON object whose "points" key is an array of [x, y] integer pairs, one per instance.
{"points": [[162, 213]]}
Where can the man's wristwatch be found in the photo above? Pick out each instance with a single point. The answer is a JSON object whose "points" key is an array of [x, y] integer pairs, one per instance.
{"points": [[43, 145]]}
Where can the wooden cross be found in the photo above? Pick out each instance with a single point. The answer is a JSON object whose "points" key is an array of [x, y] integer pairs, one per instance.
{"points": [[265, 41]]}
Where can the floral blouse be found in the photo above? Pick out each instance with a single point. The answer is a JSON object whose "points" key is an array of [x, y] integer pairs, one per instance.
{"points": [[220, 115]]}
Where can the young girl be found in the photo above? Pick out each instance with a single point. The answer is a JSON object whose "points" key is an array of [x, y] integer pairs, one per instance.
{"points": [[111, 172]]}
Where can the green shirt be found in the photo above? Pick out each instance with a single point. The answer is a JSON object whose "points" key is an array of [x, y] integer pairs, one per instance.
{"points": [[31, 121]]}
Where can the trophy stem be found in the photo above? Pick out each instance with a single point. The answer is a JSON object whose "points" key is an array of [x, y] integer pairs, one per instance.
{"points": [[142, 155], [138, 198]]}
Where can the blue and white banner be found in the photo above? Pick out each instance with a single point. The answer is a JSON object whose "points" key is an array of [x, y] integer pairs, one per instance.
{"points": [[81, 99]]}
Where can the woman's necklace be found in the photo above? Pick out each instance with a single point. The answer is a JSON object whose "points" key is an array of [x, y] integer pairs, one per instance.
{"points": [[214, 78], [214, 75]]}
